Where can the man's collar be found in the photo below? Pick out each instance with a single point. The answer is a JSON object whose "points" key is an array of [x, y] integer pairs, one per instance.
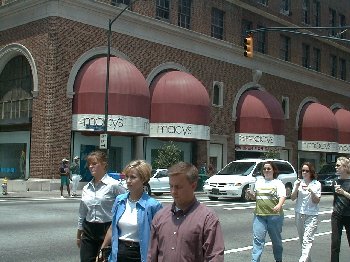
{"points": [[184, 212]]}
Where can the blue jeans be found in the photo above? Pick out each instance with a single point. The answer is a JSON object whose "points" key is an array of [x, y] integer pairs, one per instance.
{"points": [[272, 225]]}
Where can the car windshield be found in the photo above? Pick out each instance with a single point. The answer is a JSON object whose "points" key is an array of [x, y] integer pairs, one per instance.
{"points": [[327, 169], [237, 168]]}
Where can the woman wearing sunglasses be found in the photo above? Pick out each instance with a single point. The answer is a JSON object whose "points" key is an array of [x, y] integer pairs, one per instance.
{"points": [[307, 193], [270, 195]]}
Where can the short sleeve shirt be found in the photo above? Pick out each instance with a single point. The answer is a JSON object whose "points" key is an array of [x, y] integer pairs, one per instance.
{"points": [[268, 193], [304, 204]]}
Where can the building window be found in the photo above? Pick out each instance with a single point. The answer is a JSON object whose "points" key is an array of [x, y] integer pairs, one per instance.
{"points": [[184, 18], [125, 2], [285, 7], [305, 60], [285, 106], [316, 59], [332, 21], [317, 13], [342, 69], [285, 48], [162, 9], [263, 2], [261, 41], [333, 65], [342, 33], [306, 12], [218, 91], [217, 23], [16, 84]]}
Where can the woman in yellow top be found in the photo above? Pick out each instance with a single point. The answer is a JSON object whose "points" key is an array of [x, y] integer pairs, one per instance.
{"points": [[270, 195]]}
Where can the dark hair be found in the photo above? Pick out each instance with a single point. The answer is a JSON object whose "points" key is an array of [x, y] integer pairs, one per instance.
{"points": [[99, 156], [188, 169], [311, 168], [274, 168]]}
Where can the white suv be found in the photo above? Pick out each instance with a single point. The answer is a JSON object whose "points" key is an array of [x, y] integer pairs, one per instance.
{"points": [[234, 179]]}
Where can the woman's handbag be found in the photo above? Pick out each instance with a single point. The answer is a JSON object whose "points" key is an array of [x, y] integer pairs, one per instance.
{"points": [[104, 254]]}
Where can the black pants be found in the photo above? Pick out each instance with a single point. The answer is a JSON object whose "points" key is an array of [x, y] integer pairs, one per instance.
{"points": [[338, 222], [128, 253], [92, 239]]}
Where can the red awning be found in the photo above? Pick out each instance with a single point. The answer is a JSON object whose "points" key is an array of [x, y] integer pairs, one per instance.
{"points": [[259, 112], [180, 107], [342, 117], [318, 130], [128, 95]]}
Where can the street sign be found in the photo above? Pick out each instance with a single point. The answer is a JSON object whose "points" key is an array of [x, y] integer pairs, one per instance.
{"points": [[103, 141]]}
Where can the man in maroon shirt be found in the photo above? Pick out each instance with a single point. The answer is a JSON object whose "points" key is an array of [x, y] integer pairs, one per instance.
{"points": [[186, 230]]}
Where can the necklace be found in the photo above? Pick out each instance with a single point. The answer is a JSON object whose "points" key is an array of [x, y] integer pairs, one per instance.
{"points": [[132, 200]]}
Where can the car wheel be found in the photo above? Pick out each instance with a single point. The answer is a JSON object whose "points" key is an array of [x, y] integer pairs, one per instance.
{"points": [[213, 198], [289, 189], [147, 189], [245, 196], [158, 194]]}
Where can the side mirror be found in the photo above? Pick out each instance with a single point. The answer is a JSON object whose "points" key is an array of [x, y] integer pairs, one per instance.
{"points": [[257, 174]]}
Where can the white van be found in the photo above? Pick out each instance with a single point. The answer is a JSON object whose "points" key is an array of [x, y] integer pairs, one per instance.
{"points": [[233, 180]]}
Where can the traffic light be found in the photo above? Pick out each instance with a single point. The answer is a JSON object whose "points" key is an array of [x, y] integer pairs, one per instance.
{"points": [[248, 46]]}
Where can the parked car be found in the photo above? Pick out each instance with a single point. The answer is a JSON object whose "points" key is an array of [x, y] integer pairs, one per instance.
{"points": [[326, 176], [159, 182], [234, 179]]}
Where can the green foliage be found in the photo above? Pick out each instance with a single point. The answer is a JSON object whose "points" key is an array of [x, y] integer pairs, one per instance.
{"points": [[271, 154], [168, 155]]}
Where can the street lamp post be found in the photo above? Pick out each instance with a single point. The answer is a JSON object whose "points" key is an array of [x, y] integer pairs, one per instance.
{"points": [[104, 138]]}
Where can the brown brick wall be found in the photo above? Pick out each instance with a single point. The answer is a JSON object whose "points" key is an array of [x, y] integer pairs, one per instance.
{"points": [[57, 43]]}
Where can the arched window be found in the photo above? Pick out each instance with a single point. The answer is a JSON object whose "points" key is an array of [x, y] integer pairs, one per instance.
{"points": [[16, 84]]}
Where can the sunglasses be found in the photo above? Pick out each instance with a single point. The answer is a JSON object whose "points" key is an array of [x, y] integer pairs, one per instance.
{"points": [[337, 165], [305, 171]]}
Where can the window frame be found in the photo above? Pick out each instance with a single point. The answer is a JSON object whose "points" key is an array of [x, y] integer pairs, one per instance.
{"points": [[285, 48], [305, 57], [184, 13], [220, 86], [163, 10], [217, 23]]}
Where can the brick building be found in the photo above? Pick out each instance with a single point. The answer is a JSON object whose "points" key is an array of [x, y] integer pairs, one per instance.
{"points": [[177, 73]]}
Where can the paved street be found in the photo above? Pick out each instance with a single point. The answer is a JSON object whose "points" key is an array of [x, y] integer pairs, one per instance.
{"points": [[39, 226]]}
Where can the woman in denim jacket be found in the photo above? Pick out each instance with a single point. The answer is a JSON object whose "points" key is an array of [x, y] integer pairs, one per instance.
{"points": [[132, 216]]}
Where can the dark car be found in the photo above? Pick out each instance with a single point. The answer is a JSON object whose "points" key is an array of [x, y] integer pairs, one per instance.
{"points": [[326, 176]]}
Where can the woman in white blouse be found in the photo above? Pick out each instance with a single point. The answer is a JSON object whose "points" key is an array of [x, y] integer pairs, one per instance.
{"points": [[307, 192], [95, 211]]}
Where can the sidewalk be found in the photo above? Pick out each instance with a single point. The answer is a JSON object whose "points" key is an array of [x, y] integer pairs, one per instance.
{"points": [[37, 194]]}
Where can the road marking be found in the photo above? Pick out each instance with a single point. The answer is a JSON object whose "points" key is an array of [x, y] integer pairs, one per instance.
{"points": [[239, 208], [319, 213], [236, 250]]}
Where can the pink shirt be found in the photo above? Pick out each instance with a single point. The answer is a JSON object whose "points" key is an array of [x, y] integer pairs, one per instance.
{"points": [[192, 236]]}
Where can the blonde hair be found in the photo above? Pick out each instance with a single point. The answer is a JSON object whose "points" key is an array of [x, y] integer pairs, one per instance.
{"points": [[141, 167], [188, 169], [345, 162]]}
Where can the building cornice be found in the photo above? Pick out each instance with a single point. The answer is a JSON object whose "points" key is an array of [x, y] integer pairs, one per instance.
{"points": [[96, 14]]}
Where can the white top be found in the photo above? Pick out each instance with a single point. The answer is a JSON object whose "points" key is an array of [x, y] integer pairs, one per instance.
{"points": [[127, 223], [97, 200], [304, 204]]}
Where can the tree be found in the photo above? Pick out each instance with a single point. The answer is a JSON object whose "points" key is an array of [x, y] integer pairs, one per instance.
{"points": [[168, 155], [271, 154]]}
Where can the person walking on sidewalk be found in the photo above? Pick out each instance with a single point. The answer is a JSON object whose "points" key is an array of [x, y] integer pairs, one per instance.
{"points": [[75, 171], [95, 210], [307, 193], [65, 176], [341, 206]]}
